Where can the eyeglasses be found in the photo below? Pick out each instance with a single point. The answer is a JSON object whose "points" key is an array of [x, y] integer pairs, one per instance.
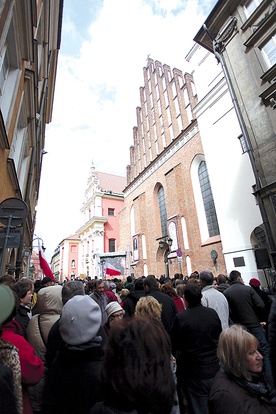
{"points": [[118, 316]]}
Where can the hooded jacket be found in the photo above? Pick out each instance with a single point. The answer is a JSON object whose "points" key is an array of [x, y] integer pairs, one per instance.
{"points": [[49, 306]]}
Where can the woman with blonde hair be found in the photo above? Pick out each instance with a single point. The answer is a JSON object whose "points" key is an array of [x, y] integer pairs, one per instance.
{"points": [[148, 306], [240, 386], [123, 295]]}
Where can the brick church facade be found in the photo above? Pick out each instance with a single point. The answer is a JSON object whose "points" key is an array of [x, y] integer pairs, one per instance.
{"points": [[168, 198]]}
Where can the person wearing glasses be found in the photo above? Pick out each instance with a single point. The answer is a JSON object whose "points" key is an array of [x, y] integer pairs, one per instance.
{"points": [[114, 312]]}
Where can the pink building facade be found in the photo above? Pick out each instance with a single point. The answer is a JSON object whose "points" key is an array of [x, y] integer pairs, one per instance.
{"points": [[100, 233], [65, 261]]}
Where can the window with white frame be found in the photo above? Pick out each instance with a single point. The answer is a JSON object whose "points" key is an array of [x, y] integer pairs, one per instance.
{"points": [[250, 6], [19, 150], [23, 170], [4, 68], [269, 51], [243, 143], [9, 71]]}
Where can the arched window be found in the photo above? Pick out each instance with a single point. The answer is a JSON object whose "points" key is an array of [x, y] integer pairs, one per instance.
{"points": [[162, 211], [73, 264], [208, 201]]}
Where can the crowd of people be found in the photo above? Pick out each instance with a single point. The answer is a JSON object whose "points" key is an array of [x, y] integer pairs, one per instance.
{"points": [[183, 345]]}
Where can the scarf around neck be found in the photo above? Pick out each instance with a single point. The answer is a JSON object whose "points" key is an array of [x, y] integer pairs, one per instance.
{"points": [[259, 387]]}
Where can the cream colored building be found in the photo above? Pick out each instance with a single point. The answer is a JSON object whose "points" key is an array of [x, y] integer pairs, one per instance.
{"points": [[240, 36]]}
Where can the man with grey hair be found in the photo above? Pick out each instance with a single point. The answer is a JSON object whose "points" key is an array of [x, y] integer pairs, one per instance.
{"points": [[100, 298], [212, 298], [71, 289]]}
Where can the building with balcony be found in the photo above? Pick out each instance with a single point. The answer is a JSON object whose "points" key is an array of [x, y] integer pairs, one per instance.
{"points": [[30, 34]]}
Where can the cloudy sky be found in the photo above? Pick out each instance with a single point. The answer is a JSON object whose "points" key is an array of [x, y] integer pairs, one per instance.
{"points": [[104, 47]]}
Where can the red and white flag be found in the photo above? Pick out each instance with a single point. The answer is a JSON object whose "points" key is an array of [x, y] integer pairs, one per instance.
{"points": [[111, 270], [43, 263]]}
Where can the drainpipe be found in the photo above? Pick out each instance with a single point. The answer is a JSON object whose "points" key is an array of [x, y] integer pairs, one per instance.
{"points": [[218, 48]]}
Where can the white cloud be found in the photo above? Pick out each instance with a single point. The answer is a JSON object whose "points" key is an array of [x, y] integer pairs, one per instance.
{"points": [[97, 92]]}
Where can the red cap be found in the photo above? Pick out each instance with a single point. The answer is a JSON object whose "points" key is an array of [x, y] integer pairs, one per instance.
{"points": [[254, 282]]}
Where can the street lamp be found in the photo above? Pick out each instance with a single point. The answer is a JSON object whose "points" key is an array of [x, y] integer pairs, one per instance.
{"points": [[166, 242], [39, 238]]}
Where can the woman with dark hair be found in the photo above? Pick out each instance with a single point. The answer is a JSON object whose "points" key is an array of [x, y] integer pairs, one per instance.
{"points": [[169, 290], [240, 386], [8, 280], [137, 375], [24, 289]]}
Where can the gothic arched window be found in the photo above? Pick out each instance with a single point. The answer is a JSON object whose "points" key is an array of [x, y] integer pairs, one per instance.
{"points": [[208, 201], [162, 211]]}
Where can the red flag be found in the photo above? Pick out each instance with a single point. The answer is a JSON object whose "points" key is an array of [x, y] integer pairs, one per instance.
{"points": [[111, 270], [43, 263]]}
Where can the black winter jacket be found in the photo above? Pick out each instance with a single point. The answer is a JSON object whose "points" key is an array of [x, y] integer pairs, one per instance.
{"points": [[194, 336], [169, 309], [74, 381], [131, 301], [228, 397], [245, 305], [272, 339]]}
